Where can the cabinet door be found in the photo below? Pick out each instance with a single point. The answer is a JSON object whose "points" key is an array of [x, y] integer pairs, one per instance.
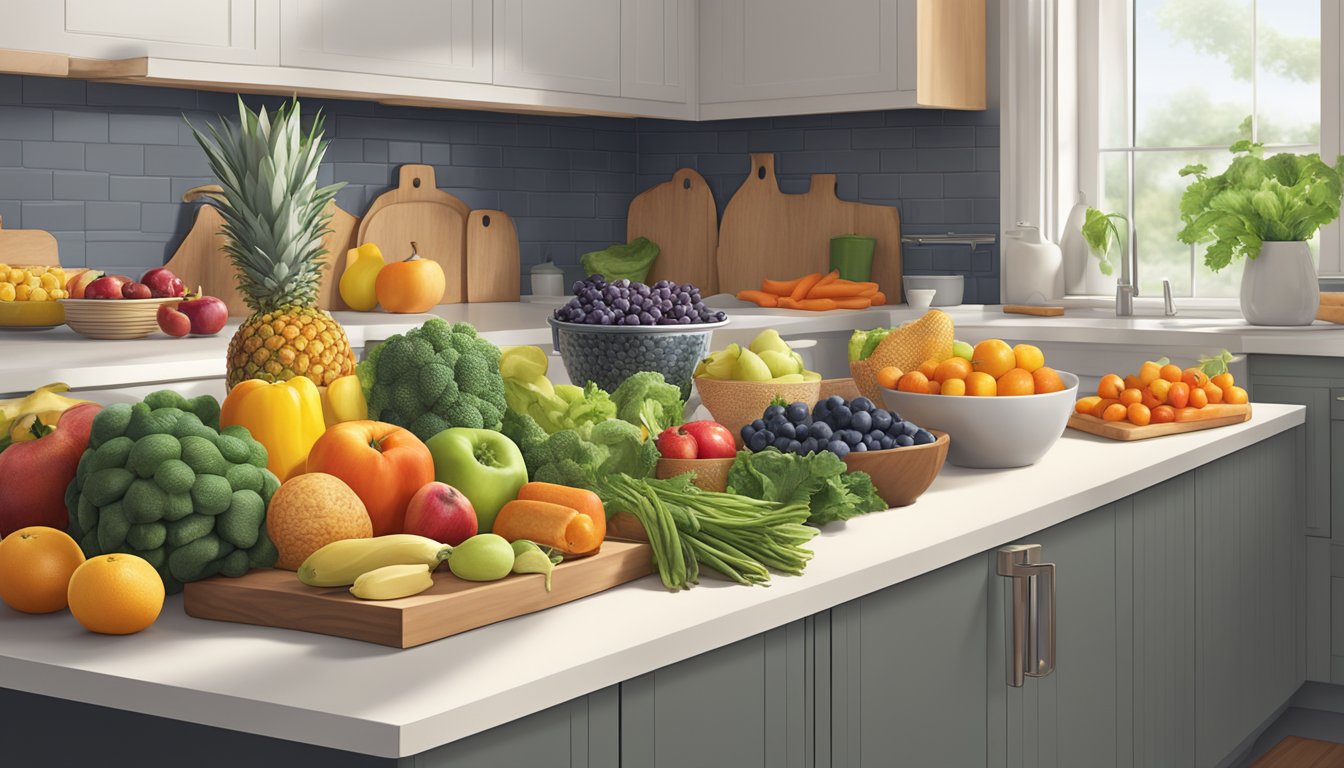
{"points": [[433, 39], [227, 31], [572, 46], [776, 49], [657, 49], [908, 673], [1317, 401], [582, 733]]}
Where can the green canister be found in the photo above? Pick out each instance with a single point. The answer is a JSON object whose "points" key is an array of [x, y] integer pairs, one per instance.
{"points": [[853, 256]]}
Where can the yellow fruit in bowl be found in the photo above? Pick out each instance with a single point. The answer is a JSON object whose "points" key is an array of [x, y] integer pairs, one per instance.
{"points": [[1029, 357], [7, 292], [993, 357], [981, 384], [954, 387], [1016, 382], [750, 367]]}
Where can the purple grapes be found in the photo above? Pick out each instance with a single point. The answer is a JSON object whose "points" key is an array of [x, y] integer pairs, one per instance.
{"points": [[597, 302]]}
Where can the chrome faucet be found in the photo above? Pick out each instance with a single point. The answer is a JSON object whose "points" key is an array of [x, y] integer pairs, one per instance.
{"points": [[1125, 290], [1168, 306]]}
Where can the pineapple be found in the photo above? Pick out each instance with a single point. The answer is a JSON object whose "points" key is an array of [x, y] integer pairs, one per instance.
{"points": [[274, 221]]}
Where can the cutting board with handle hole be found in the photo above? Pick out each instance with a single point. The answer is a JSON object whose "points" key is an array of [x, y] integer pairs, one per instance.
{"points": [[201, 260], [766, 233], [493, 269], [27, 247], [419, 211], [1221, 415], [679, 215]]}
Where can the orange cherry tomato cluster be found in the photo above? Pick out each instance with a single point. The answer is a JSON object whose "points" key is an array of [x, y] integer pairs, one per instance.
{"points": [[1159, 394]]}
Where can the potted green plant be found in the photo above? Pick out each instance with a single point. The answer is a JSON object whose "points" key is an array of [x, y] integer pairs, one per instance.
{"points": [[1264, 209], [1102, 234]]}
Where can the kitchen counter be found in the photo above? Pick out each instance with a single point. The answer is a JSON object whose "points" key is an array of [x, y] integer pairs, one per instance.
{"points": [[29, 359], [391, 703]]}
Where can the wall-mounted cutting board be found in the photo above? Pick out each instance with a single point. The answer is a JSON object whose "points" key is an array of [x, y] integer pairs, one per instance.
{"points": [[201, 260], [275, 598], [679, 215], [27, 247], [766, 233], [1224, 414], [494, 272], [419, 211]]}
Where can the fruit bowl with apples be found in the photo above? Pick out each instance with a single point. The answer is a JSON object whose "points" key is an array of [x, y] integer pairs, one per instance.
{"points": [[103, 306], [705, 449]]}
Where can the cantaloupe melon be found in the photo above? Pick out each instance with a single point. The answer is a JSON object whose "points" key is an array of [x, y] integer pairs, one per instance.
{"points": [[928, 338]]}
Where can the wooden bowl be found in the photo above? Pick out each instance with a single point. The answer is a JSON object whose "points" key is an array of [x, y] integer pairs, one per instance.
{"points": [[31, 314], [114, 318], [901, 475], [707, 474], [845, 388], [735, 404]]}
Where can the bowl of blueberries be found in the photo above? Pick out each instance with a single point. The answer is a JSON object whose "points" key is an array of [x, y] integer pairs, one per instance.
{"points": [[610, 331], [901, 457]]}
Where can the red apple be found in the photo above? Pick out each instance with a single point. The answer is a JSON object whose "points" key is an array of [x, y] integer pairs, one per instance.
{"points": [[38, 471], [172, 322], [80, 280], [712, 440], [163, 284], [135, 291], [441, 512], [207, 314], [106, 287], [675, 444]]}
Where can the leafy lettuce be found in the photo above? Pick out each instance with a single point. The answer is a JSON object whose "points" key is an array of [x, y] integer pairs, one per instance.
{"points": [[820, 480]]}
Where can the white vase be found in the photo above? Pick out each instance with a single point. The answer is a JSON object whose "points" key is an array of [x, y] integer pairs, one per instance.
{"points": [[1082, 275], [1280, 286], [1032, 268]]}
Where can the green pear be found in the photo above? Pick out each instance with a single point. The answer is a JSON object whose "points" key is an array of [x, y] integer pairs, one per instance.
{"points": [[750, 367], [811, 376], [769, 340], [719, 365], [780, 363], [790, 378]]}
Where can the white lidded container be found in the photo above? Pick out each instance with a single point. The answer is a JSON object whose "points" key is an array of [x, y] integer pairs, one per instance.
{"points": [[1033, 268], [547, 280]]}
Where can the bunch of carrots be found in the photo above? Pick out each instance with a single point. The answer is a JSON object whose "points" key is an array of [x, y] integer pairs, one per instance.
{"points": [[817, 292]]}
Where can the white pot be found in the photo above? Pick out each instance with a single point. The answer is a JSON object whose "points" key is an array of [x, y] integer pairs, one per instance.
{"points": [[1280, 286]]}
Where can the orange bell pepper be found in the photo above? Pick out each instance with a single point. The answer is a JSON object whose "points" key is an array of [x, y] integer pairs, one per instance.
{"points": [[286, 417]]}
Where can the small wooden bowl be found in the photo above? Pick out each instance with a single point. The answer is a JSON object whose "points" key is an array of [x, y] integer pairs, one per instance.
{"points": [[707, 474], [114, 318], [845, 388], [901, 475], [735, 404]]}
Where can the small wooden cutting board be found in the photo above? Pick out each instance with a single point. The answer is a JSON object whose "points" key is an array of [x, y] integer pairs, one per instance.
{"points": [[417, 210], [275, 598], [1031, 309], [1123, 430], [679, 215], [27, 247], [493, 271]]}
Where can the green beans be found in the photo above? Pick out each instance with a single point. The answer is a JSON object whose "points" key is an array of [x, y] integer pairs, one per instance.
{"points": [[740, 537]]}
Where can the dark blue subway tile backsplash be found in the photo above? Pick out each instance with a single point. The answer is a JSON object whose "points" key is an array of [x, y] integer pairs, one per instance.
{"points": [[104, 167]]}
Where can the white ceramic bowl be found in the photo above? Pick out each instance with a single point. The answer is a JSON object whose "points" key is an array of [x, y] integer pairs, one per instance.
{"points": [[992, 432], [950, 287], [920, 298]]}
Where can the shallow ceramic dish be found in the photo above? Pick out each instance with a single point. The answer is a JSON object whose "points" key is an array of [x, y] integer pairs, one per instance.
{"points": [[902, 475], [114, 318], [950, 288]]}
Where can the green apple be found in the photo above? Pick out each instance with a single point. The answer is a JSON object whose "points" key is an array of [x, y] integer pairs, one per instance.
{"points": [[780, 363], [768, 340], [750, 367], [962, 349], [481, 463]]}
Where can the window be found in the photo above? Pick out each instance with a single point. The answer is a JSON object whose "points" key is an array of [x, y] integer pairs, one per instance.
{"points": [[1177, 82]]}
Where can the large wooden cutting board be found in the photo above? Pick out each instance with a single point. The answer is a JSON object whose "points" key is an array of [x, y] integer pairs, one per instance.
{"points": [[274, 598], [27, 247], [201, 261], [1123, 430], [679, 215], [419, 211], [766, 233], [494, 272]]}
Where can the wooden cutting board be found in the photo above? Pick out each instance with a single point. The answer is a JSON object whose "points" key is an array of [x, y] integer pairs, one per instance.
{"points": [[679, 215], [201, 261], [275, 598], [419, 211], [27, 247], [493, 268], [1123, 430], [766, 233], [1331, 309]]}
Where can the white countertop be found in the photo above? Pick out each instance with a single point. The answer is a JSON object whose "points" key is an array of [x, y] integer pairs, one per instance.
{"points": [[29, 359], [391, 703]]}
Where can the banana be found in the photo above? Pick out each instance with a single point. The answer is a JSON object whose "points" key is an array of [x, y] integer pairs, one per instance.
{"points": [[392, 581], [339, 563]]}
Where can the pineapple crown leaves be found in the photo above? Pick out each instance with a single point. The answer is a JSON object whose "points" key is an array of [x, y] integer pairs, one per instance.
{"points": [[273, 209]]}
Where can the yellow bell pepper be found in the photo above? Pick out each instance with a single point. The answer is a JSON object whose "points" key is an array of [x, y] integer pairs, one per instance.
{"points": [[286, 417], [344, 400]]}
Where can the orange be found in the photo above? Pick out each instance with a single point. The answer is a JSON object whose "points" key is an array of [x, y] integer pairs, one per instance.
{"points": [[1171, 373], [1179, 395], [1086, 404], [1102, 405], [1139, 414], [1133, 382], [1149, 372], [914, 381], [952, 368], [1198, 397], [116, 594], [1215, 394], [1115, 412], [935, 388], [310, 511], [1223, 381], [981, 384], [35, 567], [1110, 386], [1236, 396], [927, 368], [1149, 399], [887, 377], [1028, 357], [1047, 380], [994, 357], [954, 387], [1164, 414], [1017, 381], [1161, 389], [1130, 396], [1195, 378]]}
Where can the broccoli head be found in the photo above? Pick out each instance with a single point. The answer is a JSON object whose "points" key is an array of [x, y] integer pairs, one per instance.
{"points": [[647, 400], [580, 457], [434, 377]]}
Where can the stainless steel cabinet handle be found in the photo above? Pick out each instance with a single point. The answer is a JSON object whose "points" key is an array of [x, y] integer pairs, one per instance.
{"points": [[1033, 632], [1340, 398]]}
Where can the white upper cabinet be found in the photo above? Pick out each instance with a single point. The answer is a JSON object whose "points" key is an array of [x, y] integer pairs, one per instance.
{"points": [[431, 39], [223, 31], [559, 45], [658, 49]]}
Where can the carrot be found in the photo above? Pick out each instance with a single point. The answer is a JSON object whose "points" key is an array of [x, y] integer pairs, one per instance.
{"points": [[549, 525], [829, 277], [877, 299], [841, 289], [815, 305], [759, 297], [853, 302], [583, 501], [804, 285], [786, 302], [780, 287]]}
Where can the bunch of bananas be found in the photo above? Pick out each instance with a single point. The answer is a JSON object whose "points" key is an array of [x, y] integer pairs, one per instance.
{"points": [[32, 283]]}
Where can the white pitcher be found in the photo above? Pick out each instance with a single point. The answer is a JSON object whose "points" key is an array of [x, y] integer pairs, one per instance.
{"points": [[1033, 269]]}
